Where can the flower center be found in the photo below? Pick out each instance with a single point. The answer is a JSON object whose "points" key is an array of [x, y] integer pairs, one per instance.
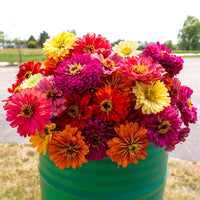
{"points": [[73, 111], [27, 111], [151, 95], [106, 105], [189, 104], [89, 49], [174, 92], [59, 44], [140, 69], [126, 51], [71, 150], [107, 63], [75, 68], [163, 127], [28, 74], [51, 95], [134, 148]]}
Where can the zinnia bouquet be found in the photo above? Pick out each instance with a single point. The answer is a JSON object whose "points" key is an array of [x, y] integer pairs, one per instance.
{"points": [[90, 101]]}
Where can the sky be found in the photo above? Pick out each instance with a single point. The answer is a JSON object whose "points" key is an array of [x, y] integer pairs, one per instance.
{"points": [[141, 20]]}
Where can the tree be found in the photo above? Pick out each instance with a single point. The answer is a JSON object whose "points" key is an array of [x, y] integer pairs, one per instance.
{"points": [[170, 45], [42, 38], [189, 35], [32, 43], [2, 37]]}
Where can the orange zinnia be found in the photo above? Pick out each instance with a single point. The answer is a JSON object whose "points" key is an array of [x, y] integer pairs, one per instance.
{"points": [[130, 145], [41, 140], [68, 148], [115, 79]]}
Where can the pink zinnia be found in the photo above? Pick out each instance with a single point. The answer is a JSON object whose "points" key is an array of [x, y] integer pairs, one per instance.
{"points": [[174, 92], [141, 68], [48, 86], [188, 112], [29, 110], [90, 44], [110, 64], [163, 128]]}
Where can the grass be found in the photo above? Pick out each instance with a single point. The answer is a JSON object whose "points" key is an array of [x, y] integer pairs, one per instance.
{"points": [[20, 177], [183, 51], [12, 55]]}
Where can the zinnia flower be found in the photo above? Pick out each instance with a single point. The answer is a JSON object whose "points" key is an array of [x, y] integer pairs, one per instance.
{"points": [[97, 133], [51, 64], [31, 82], [91, 44], [77, 111], [77, 75], [130, 145], [141, 68], [127, 48], [68, 148], [41, 140], [188, 112], [47, 85], [110, 64], [184, 132], [163, 128], [29, 110], [59, 45], [151, 98], [172, 64], [28, 69], [109, 104], [174, 92], [116, 79]]}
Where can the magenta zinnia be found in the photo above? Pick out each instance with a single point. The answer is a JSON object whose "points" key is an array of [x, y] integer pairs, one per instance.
{"points": [[162, 55], [188, 112], [29, 110], [97, 133], [163, 128], [79, 74], [47, 85], [141, 68]]}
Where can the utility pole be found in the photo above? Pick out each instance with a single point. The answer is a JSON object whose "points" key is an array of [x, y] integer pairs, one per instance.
{"points": [[20, 55]]}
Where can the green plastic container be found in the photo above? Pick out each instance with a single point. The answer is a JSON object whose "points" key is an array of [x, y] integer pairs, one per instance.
{"points": [[103, 180]]}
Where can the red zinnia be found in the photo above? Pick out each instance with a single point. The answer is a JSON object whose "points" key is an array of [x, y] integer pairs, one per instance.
{"points": [[91, 44], [28, 69], [109, 104], [77, 111]]}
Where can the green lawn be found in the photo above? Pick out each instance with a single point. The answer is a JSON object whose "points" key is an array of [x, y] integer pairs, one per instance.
{"points": [[12, 55], [20, 180]]}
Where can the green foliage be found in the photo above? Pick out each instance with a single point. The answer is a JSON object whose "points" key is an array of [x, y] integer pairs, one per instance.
{"points": [[2, 37], [72, 31], [32, 44], [170, 45], [189, 35], [116, 42], [42, 38], [31, 38]]}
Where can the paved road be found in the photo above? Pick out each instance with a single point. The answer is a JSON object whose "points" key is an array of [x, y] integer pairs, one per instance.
{"points": [[189, 76]]}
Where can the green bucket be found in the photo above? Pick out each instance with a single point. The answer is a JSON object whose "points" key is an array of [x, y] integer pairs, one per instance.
{"points": [[103, 180]]}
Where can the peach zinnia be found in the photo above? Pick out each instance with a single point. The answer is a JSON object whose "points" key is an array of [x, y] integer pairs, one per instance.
{"points": [[130, 145], [68, 148]]}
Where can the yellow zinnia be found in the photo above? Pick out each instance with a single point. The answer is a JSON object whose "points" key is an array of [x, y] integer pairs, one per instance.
{"points": [[126, 48], [59, 45], [151, 98], [31, 82], [41, 140]]}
